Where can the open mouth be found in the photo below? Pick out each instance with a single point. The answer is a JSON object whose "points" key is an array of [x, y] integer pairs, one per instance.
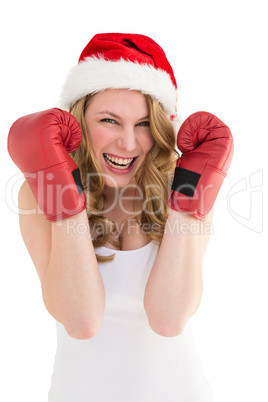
{"points": [[119, 163]]}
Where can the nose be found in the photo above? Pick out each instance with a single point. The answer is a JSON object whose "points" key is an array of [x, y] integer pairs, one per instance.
{"points": [[127, 140]]}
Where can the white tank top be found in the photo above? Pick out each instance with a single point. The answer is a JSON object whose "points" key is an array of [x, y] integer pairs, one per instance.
{"points": [[126, 361]]}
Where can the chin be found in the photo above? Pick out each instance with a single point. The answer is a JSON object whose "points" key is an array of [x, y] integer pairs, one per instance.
{"points": [[113, 183]]}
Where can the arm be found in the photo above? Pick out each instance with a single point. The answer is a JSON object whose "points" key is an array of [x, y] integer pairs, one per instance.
{"points": [[174, 289], [73, 289], [65, 261], [73, 292]]}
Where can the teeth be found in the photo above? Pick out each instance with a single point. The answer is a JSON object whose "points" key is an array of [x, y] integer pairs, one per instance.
{"points": [[120, 160], [125, 163]]}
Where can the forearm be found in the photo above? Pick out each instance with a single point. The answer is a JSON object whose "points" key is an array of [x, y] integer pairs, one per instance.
{"points": [[174, 288], [73, 288]]}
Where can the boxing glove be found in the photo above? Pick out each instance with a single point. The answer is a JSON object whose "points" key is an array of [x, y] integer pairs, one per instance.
{"points": [[206, 144], [39, 145]]}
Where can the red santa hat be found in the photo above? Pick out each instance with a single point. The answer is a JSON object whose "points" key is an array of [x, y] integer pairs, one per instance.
{"points": [[122, 61]]}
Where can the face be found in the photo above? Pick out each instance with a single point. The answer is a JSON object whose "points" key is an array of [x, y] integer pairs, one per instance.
{"points": [[117, 121]]}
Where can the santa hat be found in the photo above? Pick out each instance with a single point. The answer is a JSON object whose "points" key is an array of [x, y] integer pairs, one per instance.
{"points": [[122, 61]]}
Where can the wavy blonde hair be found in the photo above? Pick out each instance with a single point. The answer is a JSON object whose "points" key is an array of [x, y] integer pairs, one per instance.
{"points": [[154, 179]]}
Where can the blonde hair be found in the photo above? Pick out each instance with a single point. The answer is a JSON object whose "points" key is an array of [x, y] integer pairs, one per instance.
{"points": [[154, 179]]}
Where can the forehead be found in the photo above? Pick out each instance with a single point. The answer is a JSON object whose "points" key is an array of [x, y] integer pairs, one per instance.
{"points": [[119, 101]]}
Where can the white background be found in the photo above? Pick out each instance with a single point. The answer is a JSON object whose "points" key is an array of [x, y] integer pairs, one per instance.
{"points": [[218, 51]]}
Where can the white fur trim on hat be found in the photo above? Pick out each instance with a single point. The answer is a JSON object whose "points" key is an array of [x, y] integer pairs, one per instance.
{"points": [[97, 74]]}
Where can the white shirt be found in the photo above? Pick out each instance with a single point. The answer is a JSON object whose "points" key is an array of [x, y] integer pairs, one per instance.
{"points": [[126, 361]]}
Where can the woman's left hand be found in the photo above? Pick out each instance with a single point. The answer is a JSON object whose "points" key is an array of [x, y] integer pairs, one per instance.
{"points": [[206, 144]]}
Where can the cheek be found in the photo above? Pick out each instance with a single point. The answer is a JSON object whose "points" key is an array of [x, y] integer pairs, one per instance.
{"points": [[98, 139], [148, 142]]}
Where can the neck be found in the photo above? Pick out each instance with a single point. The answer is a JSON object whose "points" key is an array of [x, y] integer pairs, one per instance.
{"points": [[123, 200]]}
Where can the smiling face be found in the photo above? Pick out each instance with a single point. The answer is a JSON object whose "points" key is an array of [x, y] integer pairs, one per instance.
{"points": [[117, 121]]}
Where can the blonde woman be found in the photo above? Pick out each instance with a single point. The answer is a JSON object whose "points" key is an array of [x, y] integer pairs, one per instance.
{"points": [[119, 224]]}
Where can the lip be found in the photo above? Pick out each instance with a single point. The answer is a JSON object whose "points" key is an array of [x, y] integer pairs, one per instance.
{"points": [[120, 171], [120, 156]]}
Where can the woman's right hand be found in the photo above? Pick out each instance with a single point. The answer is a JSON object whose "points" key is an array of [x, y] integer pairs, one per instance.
{"points": [[39, 144]]}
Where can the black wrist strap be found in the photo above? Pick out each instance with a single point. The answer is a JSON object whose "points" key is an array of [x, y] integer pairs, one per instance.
{"points": [[77, 179], [185, 181]]}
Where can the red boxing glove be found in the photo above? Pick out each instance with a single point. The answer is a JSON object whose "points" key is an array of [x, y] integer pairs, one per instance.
{"points": [[206, 144], [39, 144]]}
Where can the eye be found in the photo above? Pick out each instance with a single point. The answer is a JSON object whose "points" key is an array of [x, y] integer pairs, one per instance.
{"points": [[109, 121], [144, 124]]}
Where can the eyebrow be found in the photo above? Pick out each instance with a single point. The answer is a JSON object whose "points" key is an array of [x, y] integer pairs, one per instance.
{"points": [[116, 116]]}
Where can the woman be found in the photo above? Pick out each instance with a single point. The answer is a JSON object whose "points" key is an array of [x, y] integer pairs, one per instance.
{"points": [[118, 247]]}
